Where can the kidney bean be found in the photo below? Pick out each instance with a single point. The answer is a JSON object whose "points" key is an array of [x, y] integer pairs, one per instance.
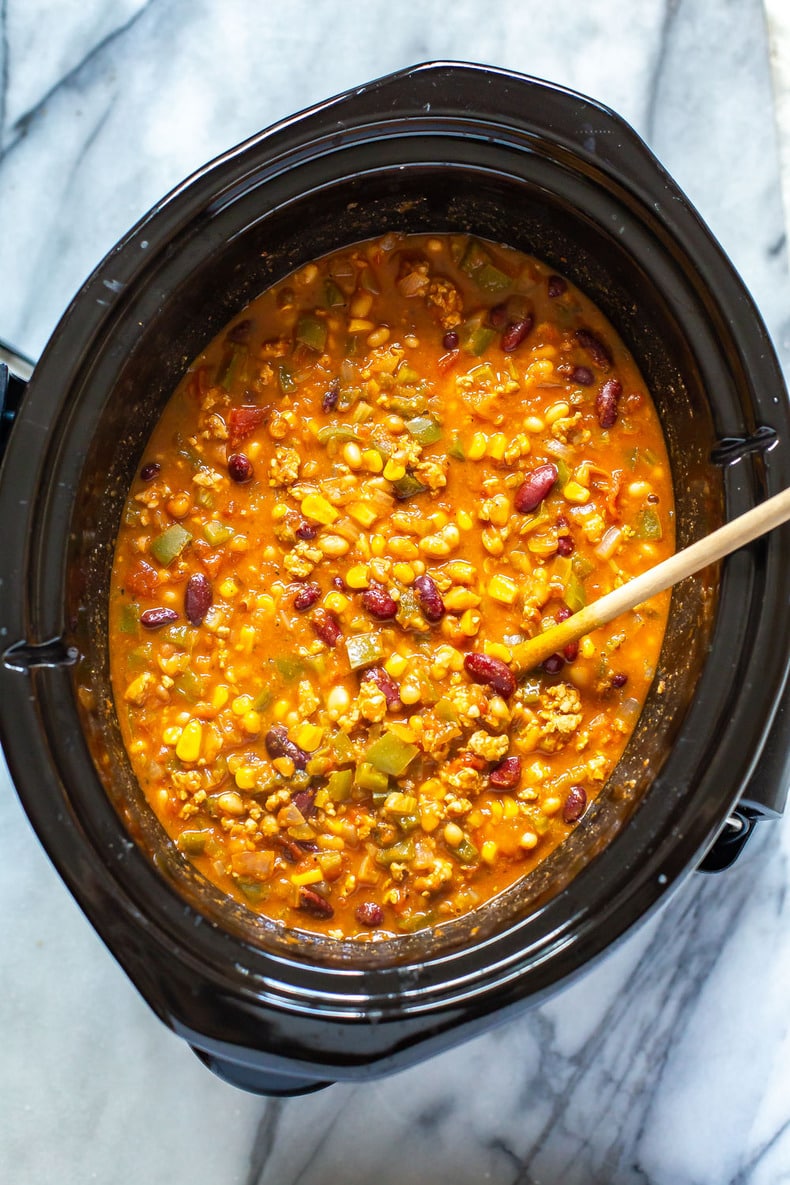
{"points": [[314, 903], [571, 652], [369, 914], [606, 402], [331, 396], [150, 471], [575, 804], [154, 619], [556, 286], [278, 745], [304, 801], [497, 316], [506, 775], [385, 683], [243, 421], [515, 333], [240, 467], [563, 613], [582, 376], [240, 332], [326, 626], [306, 530], [306, 596], [618, 681], [565, 545], [485, 669], [598, 351], [339, 583], [378, 602], [290, 849], [535, 487], [429, 598], [198, 596], [451, 340], [553, 664]]}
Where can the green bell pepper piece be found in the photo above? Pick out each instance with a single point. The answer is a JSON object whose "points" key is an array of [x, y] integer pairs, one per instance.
{"points": [[286, 380], [456, 449], [333, 295], [575, 597], [336, 432], [399, 853], [311, 332], [648, 525], [391, 755], [216, 533], [407, 487], [130, 618], [338, 786], [367, 777], [193, 843], [424, 429], [364, 650], [491, 279], [169, 545]]}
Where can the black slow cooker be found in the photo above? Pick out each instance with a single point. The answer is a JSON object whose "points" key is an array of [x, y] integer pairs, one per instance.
{"points": [[438, 147]]}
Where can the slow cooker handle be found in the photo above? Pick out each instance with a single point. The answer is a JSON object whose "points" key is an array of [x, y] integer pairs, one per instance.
{"points": [[15, 370]]}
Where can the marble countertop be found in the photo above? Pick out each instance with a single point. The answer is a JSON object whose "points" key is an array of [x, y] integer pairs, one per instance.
{"points": [[666, 1064]]}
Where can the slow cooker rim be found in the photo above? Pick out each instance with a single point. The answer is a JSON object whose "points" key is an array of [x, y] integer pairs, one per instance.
{"points": [[110, 264]]}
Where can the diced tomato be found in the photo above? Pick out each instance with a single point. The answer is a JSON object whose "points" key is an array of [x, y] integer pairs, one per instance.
{"points": [[142, 579], [243, 421]]}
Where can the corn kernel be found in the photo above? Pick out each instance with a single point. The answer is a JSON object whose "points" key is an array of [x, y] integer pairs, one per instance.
{"points": [[281, 709], [378, 545], [448, 656], [534, 424], [188, 747], [551, 805], [357, 577], [336, 602], [245, 777], [170, 736], [453, 835], [461, 571], [587, 648], [498, 650], [400, 547], [359, 325], [404, 573], [496, 446], [574, 492], [241, 704], [510, 807], [352, 454], [228, 588], [499, 510], [464, 520], [251, 722], [395, 665], [502, 589], [372, 461], [363, 513], [316, 507], [470, 623], [394, 470], [307, 736], [410, 692], [477, 447], [458, 599], [489, 851], [528, 840], [311, 877], [284, 766], [430, 816]]}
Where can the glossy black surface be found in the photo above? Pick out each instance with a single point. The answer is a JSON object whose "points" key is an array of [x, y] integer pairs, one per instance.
{"points": [[437, 148]]}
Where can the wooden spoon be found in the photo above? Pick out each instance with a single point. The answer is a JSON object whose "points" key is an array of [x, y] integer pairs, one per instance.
{"points": [[769, 514]]}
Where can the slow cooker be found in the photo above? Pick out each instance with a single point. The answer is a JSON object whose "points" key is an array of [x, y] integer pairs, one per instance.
{"points": [[441, 147]]}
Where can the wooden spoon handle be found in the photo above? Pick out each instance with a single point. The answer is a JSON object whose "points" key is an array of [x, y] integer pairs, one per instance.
{"points": [[769, 514]]}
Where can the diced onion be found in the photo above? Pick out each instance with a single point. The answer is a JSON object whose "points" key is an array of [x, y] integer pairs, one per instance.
{"points": [[629, 710], [608, 545], [558, 449]]}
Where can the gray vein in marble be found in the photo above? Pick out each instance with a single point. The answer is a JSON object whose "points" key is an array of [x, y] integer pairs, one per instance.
{"points": [[24, 122], [662, 52]]}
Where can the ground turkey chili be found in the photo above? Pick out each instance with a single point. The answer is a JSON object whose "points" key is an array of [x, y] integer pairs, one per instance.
{"points": [[386, 474]]}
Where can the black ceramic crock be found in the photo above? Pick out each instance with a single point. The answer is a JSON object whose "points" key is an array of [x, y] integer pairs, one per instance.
{"points": [[439, 147]]}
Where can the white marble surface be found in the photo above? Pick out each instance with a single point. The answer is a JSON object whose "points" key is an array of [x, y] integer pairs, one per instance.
{"points": [[667, 1063]]}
